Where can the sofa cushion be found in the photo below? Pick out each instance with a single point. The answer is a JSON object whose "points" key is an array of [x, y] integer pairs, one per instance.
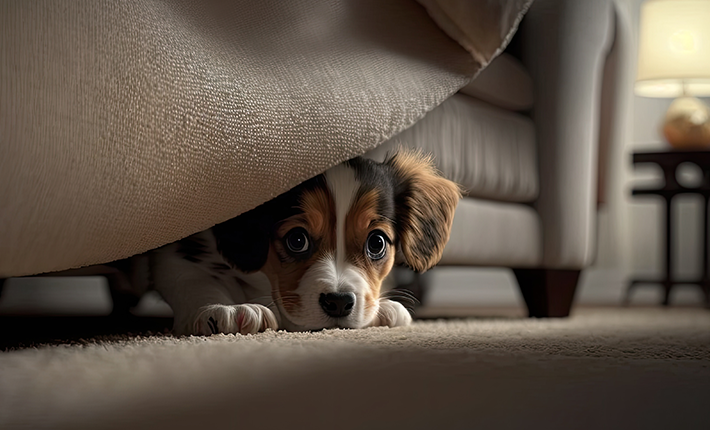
{"points": [[504, 83], [489, 151], [487, 233]]}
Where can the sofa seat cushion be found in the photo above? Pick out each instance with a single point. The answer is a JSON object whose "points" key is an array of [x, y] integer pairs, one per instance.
{"points": [[488, 233], [489, 151], [504, 83]]}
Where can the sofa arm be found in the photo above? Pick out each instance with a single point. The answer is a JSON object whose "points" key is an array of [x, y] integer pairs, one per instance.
{"points": [[564, 45]]}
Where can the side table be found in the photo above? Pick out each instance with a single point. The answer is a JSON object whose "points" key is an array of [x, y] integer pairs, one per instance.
{"points": [[669, 162]]}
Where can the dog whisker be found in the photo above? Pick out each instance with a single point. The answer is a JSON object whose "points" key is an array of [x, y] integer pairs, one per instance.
{"points": [[401, 296], [404, 297]]}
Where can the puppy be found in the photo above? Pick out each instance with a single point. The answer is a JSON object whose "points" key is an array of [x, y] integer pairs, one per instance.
{"points": [[314, 257]]}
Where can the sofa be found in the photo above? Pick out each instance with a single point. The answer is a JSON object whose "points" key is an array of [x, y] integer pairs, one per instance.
{"points": [[138, 159], [125, 126], [524, 141]]}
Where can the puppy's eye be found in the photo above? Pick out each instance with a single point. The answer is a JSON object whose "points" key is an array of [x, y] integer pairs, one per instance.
{"points": [[376, 246], [297, 240]]}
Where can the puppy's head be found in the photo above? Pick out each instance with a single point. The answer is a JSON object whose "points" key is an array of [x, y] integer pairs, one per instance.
{"points": [[327, 244]]}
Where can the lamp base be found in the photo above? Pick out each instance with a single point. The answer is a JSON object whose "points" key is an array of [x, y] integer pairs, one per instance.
{"points": [[687, 123]]}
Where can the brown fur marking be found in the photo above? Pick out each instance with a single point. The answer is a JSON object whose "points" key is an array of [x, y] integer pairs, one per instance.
{"points": [[362, 219], [318, 219], [430, 205]]}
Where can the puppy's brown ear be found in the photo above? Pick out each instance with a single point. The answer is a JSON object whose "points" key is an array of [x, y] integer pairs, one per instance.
{"points": [[424, 205]]}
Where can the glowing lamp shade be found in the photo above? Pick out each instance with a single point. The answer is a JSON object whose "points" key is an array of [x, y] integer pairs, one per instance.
{"points": [[674, 49]]}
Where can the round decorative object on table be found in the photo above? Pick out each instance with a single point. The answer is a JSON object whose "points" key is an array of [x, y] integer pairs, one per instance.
{"points": [[687, 124]]}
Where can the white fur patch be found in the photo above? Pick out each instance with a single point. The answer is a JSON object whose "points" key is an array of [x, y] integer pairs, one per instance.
{"points": [[246, 318], [323, 278], [343, 187], [391, 314]]}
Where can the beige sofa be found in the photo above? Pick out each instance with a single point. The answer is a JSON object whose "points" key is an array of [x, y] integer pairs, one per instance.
{"points": [[128, 125], [523, 140]]}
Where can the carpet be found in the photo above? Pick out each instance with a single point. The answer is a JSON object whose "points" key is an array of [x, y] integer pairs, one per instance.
{"points": [[601, 368]]}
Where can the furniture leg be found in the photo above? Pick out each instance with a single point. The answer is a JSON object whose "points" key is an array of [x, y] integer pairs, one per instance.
{"points": [[547, 292], [705, 282], [667, 285]]}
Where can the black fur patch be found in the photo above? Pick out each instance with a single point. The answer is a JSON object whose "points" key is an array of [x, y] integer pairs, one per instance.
{"points": [[244, 241], [402, 196], [192, 249], [376, 176], [213, 325], [220, 268]]}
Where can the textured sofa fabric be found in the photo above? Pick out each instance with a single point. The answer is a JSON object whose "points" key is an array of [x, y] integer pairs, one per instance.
{"points": [[128, 125]]}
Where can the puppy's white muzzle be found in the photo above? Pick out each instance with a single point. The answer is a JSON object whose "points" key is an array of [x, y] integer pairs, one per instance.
{"points": [[331, 297]]}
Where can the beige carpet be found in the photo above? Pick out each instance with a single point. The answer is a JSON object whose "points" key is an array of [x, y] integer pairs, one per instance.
{"points": [[602, 368]]}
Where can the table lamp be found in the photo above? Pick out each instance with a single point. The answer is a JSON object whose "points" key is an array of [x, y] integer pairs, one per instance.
{"points": [[674, 61]]}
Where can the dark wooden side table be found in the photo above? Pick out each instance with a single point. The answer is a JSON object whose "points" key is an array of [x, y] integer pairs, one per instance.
{"points": [[669, 162]]}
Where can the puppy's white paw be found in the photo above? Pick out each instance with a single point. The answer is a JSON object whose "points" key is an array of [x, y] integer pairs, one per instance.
{"points": [[392, 314], [247, 318]]}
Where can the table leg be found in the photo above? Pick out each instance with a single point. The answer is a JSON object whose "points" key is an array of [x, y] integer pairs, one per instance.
{"points": [[667, 285], [705, 282]]}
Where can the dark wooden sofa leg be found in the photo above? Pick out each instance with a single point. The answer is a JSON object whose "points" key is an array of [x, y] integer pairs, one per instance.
{"points": [[547, 292]]}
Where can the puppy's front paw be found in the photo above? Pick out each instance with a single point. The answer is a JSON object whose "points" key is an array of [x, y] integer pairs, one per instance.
{"points": [[245, 319], [392, 314]]}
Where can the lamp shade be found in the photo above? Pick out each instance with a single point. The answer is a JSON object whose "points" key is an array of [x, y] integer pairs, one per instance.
{"points": [[674, 49]]}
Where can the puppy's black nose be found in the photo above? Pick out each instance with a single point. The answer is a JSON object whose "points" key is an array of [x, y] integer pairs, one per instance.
{"points": [[337, 305]]}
